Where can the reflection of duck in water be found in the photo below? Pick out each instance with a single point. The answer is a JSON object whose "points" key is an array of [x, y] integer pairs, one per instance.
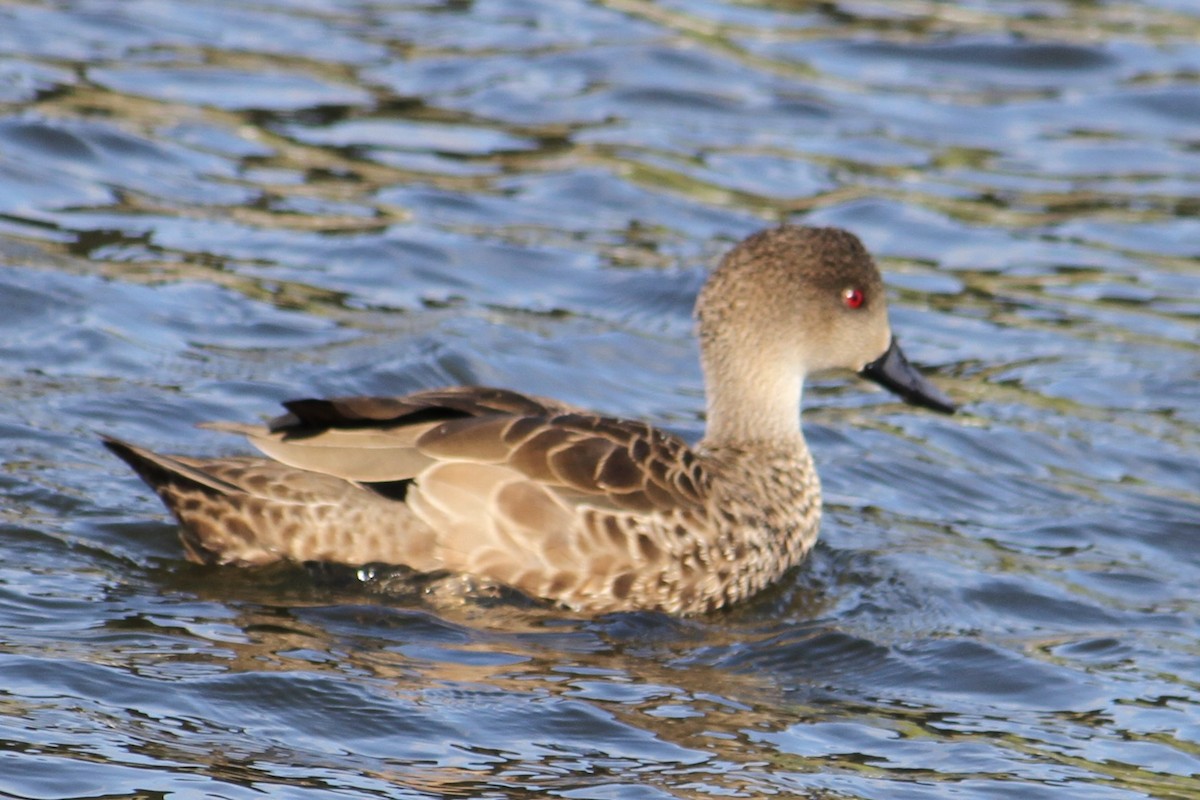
{"points": [[597, 513]]}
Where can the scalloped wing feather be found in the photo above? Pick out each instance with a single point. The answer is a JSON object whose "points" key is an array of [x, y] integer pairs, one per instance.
{"points": [[586, 460]]}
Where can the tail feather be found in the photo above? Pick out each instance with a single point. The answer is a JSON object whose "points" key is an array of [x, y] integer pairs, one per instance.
{"points": [[211, 511], [159, 471], [254, 511]]}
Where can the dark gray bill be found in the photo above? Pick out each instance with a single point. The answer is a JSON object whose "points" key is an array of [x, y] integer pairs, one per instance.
{"points": [[892, 371]]}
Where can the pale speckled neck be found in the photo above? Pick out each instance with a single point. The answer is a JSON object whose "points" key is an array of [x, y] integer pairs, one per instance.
{"points": [[748, 401]]}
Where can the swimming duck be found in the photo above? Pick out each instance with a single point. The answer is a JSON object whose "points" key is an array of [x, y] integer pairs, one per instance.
{"points": [[591, 512]]}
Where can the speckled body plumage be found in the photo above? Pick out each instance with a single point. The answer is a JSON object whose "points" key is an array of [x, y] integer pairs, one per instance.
{"points": [[596, 513]]}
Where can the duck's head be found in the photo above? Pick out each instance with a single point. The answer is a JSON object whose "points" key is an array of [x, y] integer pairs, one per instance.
{"points": [[789, 302]]}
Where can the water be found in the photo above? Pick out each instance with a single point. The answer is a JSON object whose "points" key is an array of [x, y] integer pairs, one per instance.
{"points": [[206, 209]]}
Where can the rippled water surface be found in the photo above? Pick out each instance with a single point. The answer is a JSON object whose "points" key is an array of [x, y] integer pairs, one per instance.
{"points": [[207, 208]]}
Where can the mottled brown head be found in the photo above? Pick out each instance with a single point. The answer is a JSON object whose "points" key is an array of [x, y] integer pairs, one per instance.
{"points": [[811, 296], [785, 303]]}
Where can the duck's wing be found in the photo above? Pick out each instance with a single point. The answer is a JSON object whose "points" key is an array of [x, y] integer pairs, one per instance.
{"points": [[582, 458], [603, 462], [373, 439]]}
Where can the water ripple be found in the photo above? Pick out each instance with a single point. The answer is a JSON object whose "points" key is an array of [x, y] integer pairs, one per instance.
{"points": [[207, 209]]}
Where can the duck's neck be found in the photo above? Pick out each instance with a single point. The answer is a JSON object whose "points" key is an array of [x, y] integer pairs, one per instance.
{"points": [[752, 401]]}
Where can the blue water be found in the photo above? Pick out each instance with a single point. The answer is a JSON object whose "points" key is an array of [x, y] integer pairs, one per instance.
{"points": [[206, 209]]}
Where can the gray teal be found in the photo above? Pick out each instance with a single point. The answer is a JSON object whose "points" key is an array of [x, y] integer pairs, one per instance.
{"points": [[592, 512]]}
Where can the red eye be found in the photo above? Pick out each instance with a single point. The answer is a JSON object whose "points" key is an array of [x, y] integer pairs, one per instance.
{"points": [[853, 298]]}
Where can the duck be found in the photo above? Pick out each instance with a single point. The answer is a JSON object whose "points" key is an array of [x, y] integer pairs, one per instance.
{"points": [[588, 512]]}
